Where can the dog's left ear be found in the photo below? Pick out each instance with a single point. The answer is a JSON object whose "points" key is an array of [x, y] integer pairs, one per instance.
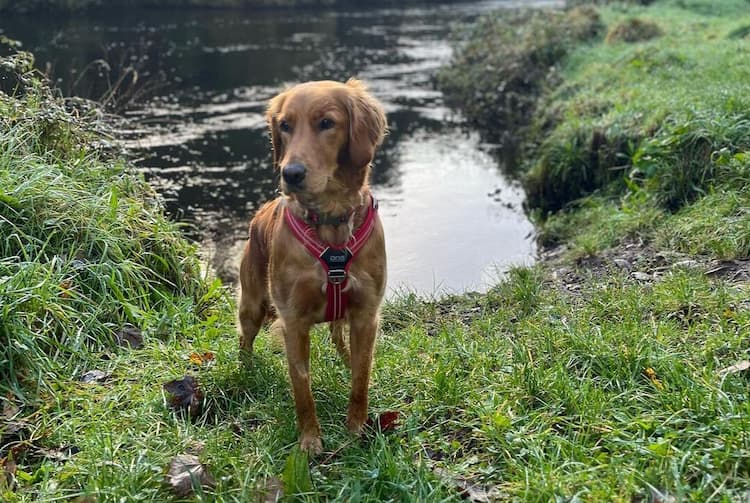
{"points": [[367, 124], [273, 110]]}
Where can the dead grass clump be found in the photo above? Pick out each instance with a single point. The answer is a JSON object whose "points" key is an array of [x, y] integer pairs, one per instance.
{"points": [[633, 30]]}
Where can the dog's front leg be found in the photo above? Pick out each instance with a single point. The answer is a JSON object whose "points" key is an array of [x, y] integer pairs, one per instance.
{"points": [[297, 341], [362, 345]]}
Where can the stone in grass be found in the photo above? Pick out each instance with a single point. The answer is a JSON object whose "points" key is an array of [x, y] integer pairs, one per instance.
{"points": [[186, 474]]}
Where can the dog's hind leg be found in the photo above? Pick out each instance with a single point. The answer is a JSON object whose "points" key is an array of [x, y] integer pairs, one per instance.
{"points": [[339, 340], [363, 330], [251, 317], [253, 306]]}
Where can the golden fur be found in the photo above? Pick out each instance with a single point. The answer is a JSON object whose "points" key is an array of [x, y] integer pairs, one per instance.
{"points": [[332, 129]]}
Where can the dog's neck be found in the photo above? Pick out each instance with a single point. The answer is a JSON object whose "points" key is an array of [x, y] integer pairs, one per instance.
{"points": [[335, 221]]}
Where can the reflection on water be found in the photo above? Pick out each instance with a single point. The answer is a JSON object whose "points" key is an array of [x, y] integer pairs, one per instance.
{"points": [[452, 218]]}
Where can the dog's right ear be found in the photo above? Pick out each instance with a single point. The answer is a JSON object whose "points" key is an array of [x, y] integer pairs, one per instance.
{"points": [[367, 124], [272, 118]]}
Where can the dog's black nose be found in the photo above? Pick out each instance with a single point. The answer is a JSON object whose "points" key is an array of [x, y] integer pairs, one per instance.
{"points": [[294, 173]]}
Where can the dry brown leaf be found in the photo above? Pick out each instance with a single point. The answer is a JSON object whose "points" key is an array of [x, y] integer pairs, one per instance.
{"points": [[186, 473], [63, 453], [651, 374], [386, 421], [199, 359], [466, 489], [65, 287], [10, 409], [271, 490], [129, 336], [7, 474], [737, 367], [185, 395], [10, 427], [95, 377], [85, 499]]}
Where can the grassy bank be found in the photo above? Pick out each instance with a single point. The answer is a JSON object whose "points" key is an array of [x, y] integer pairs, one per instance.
{"points": [[636, 162], [614, 371]]}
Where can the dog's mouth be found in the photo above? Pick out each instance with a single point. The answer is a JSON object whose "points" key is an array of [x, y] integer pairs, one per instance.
{"points": [[288, 189], [308, 189]]}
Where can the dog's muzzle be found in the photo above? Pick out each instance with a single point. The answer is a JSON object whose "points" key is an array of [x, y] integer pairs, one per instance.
{"points": [[294, 174]]}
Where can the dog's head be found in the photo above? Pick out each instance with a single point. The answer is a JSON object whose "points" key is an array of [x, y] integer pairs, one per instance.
{"points": [[324, 136]]}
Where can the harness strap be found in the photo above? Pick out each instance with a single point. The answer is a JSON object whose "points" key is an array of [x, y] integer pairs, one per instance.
{"points": [[335, 261]]}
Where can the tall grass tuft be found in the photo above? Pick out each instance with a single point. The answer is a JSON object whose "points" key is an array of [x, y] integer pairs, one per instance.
{"points": [[85, 248]]}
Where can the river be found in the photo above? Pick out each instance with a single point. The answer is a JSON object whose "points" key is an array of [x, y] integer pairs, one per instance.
{"points": [[453, 216]]}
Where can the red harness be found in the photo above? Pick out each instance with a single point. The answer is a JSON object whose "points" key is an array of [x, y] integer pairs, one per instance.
{"points": [[335, 261]]}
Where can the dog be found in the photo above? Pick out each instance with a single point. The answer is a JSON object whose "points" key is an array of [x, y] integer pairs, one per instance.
{"points": [[324, 135]]}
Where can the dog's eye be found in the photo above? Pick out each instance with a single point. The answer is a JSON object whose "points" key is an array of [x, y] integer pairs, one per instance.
{"points": [[326, 124], [284, 127]]}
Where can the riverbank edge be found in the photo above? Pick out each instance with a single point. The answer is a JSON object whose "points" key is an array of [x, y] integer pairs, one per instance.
{"points": [[68, 6]]}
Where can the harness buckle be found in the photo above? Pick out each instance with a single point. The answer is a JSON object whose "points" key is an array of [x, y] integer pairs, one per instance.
{"points": [[337, 276]]}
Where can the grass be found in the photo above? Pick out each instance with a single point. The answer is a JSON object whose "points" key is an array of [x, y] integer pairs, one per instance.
{"points": [[565, 381], [655, 112]]}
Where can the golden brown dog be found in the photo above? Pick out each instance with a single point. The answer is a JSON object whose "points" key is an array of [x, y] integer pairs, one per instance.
{"points": [[324, 136]]}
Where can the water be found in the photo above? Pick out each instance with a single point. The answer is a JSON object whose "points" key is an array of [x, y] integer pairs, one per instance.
{"points": [[453, 218]]}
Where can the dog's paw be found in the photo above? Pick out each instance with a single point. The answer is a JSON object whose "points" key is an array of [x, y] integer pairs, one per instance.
{"points": [[311, 444], [246, 359], [356, 425]]}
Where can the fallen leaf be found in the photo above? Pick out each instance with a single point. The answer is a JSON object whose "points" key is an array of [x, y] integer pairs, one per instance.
{"points": [[271, 490], [10, 409], [12, 428], [186, 474], [737, 367], [199, 359], [7, 474], [196, 447], [386, 421], [129, 336], [95, 377], [63, 453], [65, 287], [660, 496], [467, 489], [185, 395], [651, 374]]}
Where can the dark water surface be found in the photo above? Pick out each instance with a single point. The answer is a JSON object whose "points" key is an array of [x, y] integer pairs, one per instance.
{"points": [[453, 219]]}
